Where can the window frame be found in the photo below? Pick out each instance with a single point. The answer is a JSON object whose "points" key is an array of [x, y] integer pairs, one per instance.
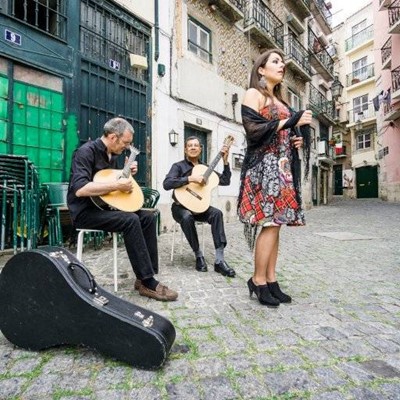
{"points": [[362, 141], [292, 94], [361, 107], [200, 28], [51, 21]]}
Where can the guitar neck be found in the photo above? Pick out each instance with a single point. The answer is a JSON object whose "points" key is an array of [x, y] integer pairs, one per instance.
{"points": [[212, 166], [126, 171]]}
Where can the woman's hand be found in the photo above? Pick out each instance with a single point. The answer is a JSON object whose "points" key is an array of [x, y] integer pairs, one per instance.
{"points": [[305, 118], [297, 141]]}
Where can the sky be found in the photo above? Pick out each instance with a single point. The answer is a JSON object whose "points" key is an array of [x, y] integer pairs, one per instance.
{"points": [[343, 8]]}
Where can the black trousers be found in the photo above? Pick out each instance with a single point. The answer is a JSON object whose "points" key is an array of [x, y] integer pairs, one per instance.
{"points": [[187, 219], [139, 230]]}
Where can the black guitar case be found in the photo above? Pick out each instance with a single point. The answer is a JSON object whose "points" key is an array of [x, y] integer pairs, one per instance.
{"points": [[49, 298]]}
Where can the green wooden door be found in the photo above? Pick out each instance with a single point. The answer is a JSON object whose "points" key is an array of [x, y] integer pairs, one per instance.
{"points": [[367, 182], [3, 114], [338, 179], [189, 131]]}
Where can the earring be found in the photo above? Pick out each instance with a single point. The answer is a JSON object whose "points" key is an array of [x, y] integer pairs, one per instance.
{"points": [[262, 82]]}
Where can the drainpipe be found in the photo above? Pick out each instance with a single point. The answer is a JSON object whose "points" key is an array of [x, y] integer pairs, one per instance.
{"points": [[156, 31]]}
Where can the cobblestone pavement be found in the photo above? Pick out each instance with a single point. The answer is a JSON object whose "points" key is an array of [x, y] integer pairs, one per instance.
{"points": [[339, 339]]}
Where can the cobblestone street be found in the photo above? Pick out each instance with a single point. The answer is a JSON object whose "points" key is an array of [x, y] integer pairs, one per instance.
{"points": [[339, 339]]}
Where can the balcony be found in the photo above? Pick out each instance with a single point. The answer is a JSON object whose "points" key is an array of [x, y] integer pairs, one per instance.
{"points": [[325, 152], [360, 75], [322, 108], [396, 83], [386, 54], [320, 58], [384, 4], [391, 113], [297, 57], [361, 38], [322, 14], [302, 7], [364, 113], [232, 9], [263, 25], [340, 151], [394, 17]]}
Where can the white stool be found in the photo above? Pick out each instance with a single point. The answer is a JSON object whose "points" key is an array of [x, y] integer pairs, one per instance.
{"points": [[173, 237], [79, 249]]}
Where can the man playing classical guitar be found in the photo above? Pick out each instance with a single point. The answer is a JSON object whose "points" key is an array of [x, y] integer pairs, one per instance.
{"points": [[138, 228], [179, 175]]}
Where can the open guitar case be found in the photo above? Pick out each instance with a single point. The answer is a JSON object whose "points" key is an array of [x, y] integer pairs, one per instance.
{"points": [[49, 298]]}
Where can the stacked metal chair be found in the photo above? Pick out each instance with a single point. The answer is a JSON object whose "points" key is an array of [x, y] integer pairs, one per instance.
{"points": [[21, 201]]}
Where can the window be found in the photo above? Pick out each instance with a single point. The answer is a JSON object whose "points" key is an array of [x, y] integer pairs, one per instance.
{"points": [[360, 107], [294, 100], [313, 135], [199, 40], [364, 140], [360, 69], [323, 132], [48, 16], [359, 27]]}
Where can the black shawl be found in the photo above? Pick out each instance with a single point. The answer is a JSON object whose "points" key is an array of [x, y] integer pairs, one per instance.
{"points": [[260, 132]]}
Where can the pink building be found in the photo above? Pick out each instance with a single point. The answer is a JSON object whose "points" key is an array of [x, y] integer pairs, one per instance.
{"points": [[387, 96]]}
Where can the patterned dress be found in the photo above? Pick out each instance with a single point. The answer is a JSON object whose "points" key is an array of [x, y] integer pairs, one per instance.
{"points": [[269, 197]]}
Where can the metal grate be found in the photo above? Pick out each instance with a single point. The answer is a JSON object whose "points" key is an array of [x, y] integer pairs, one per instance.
{"points": [[111, 39], [46, 15]]}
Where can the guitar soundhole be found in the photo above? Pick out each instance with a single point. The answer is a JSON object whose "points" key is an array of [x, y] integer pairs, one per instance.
{"points": [[194, 193]]}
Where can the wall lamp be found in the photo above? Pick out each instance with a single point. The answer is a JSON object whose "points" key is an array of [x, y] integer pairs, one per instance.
{"points": [[336, 88], [173, 137]]}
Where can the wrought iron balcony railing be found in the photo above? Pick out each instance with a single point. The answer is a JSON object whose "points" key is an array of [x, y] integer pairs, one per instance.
{"points": [[232, 9], [364, 111], [386, 51], [324, 11], [239, 4], [320, 104], [360, 74], [396, 79], [259, 14], [394, 13], [295, 50], [319, 51], [359, 38]]}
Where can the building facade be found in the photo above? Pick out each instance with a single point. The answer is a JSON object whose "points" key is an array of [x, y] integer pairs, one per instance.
{"points": [[356, 171], [172, 68], [65, 68], [387, 56], [207, 52]]}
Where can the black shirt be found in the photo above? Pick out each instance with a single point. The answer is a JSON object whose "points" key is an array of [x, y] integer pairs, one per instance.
{"points": [[86, 161], [180, 171]]}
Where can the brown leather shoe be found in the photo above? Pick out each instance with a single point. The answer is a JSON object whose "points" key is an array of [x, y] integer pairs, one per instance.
{"points": [[162, 293], [138, 283]]}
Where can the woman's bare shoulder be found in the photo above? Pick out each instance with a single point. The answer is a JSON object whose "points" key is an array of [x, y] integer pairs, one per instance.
{"points": [[253, 98]]}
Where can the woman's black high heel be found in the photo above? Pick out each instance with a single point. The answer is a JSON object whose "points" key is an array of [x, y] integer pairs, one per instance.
{"points": [[263, 294], [277, 293]]}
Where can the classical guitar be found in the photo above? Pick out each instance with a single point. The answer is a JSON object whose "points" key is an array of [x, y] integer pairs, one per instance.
{"points": [[196, 197], [118, 200]]}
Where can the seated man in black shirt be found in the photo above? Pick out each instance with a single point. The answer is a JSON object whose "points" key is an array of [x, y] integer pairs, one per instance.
{"points": [[180, 175], [139, 228]]}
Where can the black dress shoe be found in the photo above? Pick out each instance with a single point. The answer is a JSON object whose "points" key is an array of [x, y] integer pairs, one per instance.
{"points": [[224, 269], [201, 265]]}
